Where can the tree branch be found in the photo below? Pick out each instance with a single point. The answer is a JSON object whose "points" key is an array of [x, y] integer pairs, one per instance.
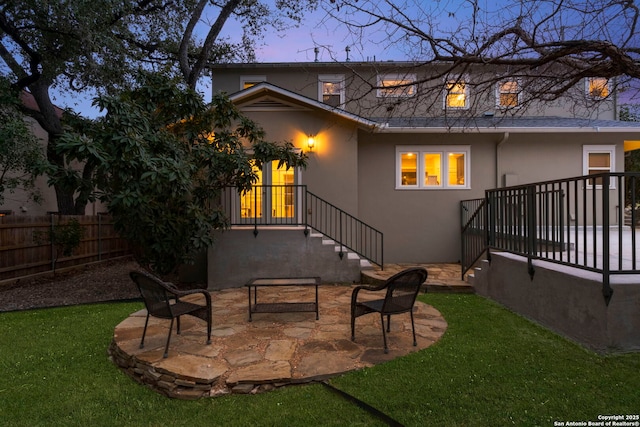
{"points": [[212, 35]]}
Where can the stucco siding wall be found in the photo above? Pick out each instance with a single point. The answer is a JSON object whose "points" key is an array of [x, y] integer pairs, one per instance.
{"points": [[361, 99], [332, 165], [533, 158], [355, 171], [418, 225], [424, 225], [239, 255], [296, 79], [541, 157]]}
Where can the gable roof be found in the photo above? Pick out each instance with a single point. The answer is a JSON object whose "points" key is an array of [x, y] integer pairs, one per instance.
{"points": [[265, 95]]}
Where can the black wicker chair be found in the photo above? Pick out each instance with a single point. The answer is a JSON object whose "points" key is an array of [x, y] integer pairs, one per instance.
{"points": [[162, 300], [401, 292]]}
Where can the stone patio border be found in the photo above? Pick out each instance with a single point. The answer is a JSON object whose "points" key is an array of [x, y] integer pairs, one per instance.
{"points": [[274, 350]]}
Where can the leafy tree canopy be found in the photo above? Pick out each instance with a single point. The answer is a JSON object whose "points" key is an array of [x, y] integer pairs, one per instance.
{"points": [[163, 157], [21, 156], [100, 46]]}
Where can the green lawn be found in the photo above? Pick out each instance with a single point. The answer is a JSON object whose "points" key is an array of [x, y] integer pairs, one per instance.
{"points": [[491, 368]]}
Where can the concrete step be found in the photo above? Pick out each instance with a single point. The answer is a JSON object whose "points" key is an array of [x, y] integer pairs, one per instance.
{"points": [[350, 255]]}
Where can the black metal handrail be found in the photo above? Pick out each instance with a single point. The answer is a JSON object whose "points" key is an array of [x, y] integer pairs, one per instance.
{"points": [[587, 222], [345, 229], [293, 205], [474, 236]]}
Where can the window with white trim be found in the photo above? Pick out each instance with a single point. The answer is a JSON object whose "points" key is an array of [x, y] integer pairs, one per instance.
{"points": [[433, 167], [597, 87], [598, 159], [508, 94], [456, 93], [331, 89], [396, 85], [247, 81]]}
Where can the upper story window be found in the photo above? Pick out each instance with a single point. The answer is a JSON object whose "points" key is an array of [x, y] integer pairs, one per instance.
{"points": [[434, 167], [456, 94], [597, 87], [508, 94], [396, 85], [247, 81], [331, 89], [598, 159]]}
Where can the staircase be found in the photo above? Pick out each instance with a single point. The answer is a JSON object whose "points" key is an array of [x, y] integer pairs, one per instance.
{"points": [[240, 255], [343, 252], [299, 207]]}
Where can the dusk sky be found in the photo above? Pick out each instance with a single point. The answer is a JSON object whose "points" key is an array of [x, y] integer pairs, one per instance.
{"points": [[293, 45], [296, 44]]}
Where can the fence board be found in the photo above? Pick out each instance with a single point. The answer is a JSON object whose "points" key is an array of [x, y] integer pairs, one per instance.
{"points": [[21, 254]]}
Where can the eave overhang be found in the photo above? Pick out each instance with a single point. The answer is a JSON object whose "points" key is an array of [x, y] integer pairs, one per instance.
{"points": [[388, 129], [292, 100]]}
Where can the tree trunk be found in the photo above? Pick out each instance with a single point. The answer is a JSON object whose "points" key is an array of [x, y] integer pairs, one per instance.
{"points": [[49, 118]]}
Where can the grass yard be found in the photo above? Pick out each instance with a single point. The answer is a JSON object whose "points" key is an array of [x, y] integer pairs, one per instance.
{"points": [[491, 368]]}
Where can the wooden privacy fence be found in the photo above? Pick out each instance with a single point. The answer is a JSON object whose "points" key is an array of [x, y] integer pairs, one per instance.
{"points": [[24, 252]]}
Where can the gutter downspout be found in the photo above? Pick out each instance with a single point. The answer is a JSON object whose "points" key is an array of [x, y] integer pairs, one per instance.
{"points": [[505, 138], [616, 112]]}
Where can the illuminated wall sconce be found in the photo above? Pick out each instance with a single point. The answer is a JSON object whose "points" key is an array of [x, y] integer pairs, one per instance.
{"points": [[311, 142]]}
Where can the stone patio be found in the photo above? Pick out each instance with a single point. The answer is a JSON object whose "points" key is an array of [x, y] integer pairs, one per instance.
{"points": [[443, 278], [272, 351]]}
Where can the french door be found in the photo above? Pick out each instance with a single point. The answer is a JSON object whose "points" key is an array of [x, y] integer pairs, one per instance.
{"points": [[273, 198]]}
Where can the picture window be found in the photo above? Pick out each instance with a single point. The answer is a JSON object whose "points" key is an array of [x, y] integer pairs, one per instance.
{"points": [[433, 167]]}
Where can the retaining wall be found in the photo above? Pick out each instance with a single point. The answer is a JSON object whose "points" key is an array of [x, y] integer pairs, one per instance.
{"points": [[566, 300]]}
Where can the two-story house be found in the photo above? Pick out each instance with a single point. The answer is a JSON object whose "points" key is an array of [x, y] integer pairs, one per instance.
{"points": [[398, 149]]}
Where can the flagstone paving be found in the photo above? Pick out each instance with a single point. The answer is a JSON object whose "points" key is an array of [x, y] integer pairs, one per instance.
{"points": [[445, 277], [273, 350]]}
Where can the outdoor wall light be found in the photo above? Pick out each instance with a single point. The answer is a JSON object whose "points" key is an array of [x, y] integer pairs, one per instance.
{"points": [[311, 142]]}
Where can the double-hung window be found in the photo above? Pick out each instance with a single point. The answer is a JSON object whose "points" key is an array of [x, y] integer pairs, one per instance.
{"points": [[508, 94], [331, 89], [433, 167], [456, 93], [597, 87], [598, 159], [396, 85]]}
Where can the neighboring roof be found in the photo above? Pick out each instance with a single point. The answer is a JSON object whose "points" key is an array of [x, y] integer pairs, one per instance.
{"points": [[30, 103], [261, 90], [485, 124]]}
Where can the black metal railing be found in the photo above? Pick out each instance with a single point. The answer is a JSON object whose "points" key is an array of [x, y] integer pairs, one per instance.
{"points": [[586, 222], [294, 205], [474, 236], [345, 229]]}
